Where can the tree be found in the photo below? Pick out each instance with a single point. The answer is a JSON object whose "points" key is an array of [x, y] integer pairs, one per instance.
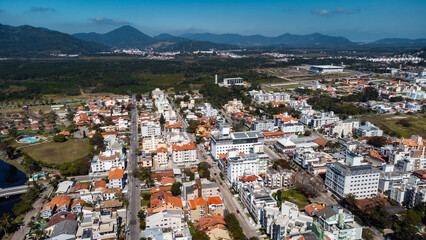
{"points": [[377, 141], [200, 235], [162, 119], [6, 223], [176, 191], [13, 132], [144, 174], [72, 127], [70, 116], [98, 140], [307, 133], [31, 224], [59, 138], [234, 227]]}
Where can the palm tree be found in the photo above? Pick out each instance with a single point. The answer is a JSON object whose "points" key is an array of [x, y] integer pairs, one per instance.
{"points": [[6, 223], [32, 224]]}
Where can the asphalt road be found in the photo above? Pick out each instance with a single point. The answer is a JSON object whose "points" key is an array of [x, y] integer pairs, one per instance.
{"points": [[22, 232], [134, 191]]}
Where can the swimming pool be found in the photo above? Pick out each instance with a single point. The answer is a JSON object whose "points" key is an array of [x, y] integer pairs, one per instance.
{"points": [[29, 139]]}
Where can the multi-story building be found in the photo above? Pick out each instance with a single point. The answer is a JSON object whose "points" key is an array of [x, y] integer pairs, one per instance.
{"points": [[352, 178], [108, 160], [238, 165], [152, 143], [167, 219], [115, 178], [200, 207], [150, 128], [245, 142], [289, 221], [184, 153], [255, 197], [412, 192], [201, 187], [277, 179], [161, 159], [369, 130], [263, 97], [335, 222], [264, 125], [344, 128], [317, 121]]}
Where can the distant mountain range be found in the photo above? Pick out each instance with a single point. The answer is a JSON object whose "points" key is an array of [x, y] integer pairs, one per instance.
{"points": [[28, 40]]}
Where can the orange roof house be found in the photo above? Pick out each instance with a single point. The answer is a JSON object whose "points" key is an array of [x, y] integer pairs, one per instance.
{"points": [[100, 184], [116, 174], [162, 201], [320, 142], [79, 187], [183, 147], [167, 181], [210, 222], [65, 133], [214, 201], [313, 208]]}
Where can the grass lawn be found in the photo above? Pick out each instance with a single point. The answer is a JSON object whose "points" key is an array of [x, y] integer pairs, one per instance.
{"points": [[58, 153], [294, 196], [400, 125]]}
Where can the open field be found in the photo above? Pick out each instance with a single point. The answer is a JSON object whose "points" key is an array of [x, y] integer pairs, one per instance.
{"points": [[295, 196], [58, 153], [400, 125]]}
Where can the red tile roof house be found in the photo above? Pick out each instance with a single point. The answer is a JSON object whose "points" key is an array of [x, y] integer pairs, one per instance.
{"points": [[47, 210], [35, 127], [115, 178], [77, 206], [57, 218], [20, 127], [49, 126], [4, 131]]}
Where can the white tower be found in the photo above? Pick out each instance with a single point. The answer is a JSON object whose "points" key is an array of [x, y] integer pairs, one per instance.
{"points": [[215, 79]]}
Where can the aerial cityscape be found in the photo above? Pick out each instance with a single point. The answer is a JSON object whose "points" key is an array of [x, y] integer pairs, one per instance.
{"points": [[227, 120]]}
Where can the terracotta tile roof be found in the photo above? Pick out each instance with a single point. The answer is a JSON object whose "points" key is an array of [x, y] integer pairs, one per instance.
{"points": [[377, 156], [109, 133], [59, 217], [35, 126], [116, 174], [161, 189], [79, 187], [278, 133], [159, 176], [222, 156], [162, 149], [65, 133], [167, 180], [99, 184], [210, 222], [20, 126], [192, 204], [407, 142], [111, 204], [62, 200], [250, 178], [183, 147], [285, 119], [200, 201], [311, 209], [278, 103], [116, 191], [176, 125], [214, 200], [77, 202], [50, 204], [320, 142], [80, 107]]}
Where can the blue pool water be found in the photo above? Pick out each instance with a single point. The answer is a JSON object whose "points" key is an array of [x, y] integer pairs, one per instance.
{"points": [[30, 139]]}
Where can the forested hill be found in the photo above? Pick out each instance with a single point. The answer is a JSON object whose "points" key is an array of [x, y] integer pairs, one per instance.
{"points": [[32, 41]]}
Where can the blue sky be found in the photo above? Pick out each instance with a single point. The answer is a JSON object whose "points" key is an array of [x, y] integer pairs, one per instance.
{"points": [[360, 20]]}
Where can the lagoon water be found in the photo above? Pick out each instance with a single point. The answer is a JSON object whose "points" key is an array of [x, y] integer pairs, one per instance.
{"points": [[9, 177]]}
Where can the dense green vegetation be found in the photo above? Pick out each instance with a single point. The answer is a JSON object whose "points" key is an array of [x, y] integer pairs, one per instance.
{"points": [[234, 227], [32, 79]]}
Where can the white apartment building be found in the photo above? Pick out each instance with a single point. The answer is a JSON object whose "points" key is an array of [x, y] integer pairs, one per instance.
{"points": [[288, 221], [317, 121], [167, 219], [115, 178], [255, 197], [344, 128], [335, 222], [264, 125], [276, 179], [161, 159], [150, 128], [263, 97], [295, 128], [184, 153], [245, 142], [152, 143], [369, 130], [108, 160], [352, 178], [238, 165]]}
